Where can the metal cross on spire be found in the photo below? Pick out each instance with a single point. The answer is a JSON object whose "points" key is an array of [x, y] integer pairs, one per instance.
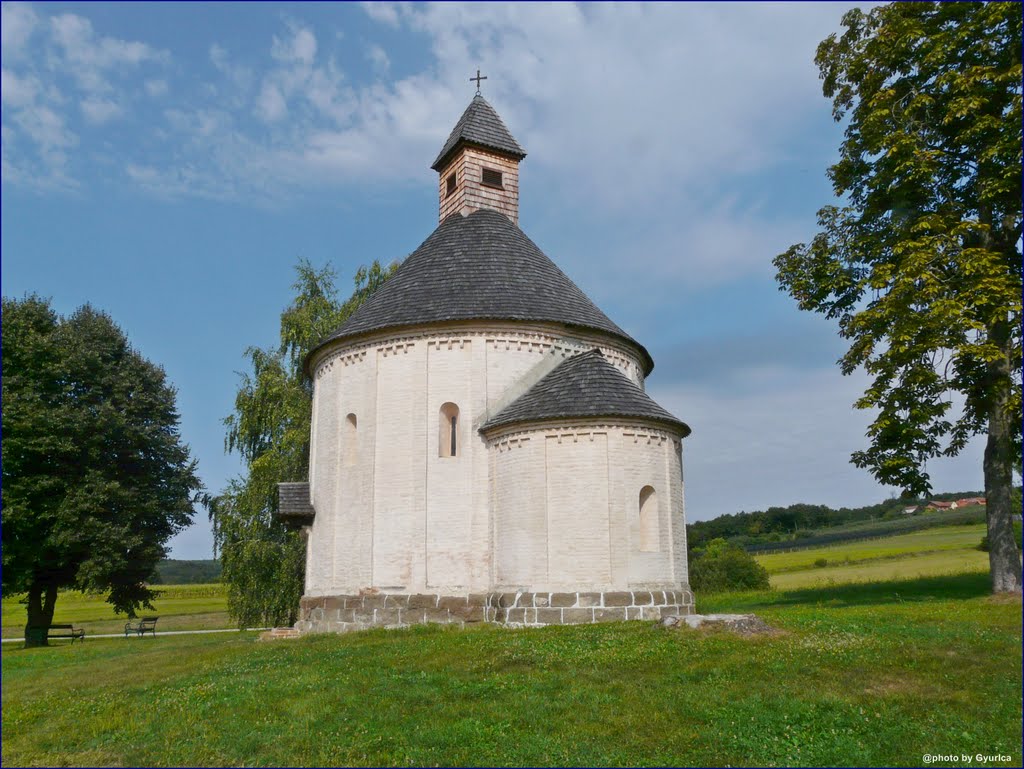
{"points": [[478, 78]]}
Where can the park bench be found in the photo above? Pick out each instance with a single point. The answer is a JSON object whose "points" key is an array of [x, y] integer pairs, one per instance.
{"points": [[59, 631], [141, 626]]}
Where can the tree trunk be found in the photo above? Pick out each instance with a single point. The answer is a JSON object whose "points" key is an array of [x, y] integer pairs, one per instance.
{"points": [[1003, 556], [35, 628], [42, 600]]}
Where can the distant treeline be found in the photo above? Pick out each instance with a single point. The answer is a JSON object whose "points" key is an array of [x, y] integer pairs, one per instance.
{"points": [[174, 572], [799, 521]]}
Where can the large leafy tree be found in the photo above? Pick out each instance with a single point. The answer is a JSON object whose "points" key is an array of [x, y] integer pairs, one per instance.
{"points": [[95, 476], [922, 266], [263, 560]]}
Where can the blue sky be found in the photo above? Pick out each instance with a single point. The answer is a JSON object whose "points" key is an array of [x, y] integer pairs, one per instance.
{"points": [[170, 163]]}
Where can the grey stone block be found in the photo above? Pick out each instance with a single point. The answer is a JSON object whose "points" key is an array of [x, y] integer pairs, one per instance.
{"points": [[452, 602], [388, 616], [515, 616], [610, 615], [438, 616], [618, 599], [642, 598], [577, 616], [423, 601], [589, 599], [563, 600], [549, 616]]}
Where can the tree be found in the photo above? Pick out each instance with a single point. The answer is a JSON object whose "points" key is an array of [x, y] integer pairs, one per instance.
{"points": [[263, 561], [95, 476], [922, 267], [720, 566]]}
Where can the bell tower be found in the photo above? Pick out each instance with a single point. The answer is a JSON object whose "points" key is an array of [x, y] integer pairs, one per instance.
{"points": [[478, 166]]}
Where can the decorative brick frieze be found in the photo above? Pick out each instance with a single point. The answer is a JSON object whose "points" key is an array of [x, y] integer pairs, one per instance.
{"points": [[539, 341], [344, 613]]}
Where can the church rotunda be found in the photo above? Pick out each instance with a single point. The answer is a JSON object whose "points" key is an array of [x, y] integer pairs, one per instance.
{"points": [[482, 446]]}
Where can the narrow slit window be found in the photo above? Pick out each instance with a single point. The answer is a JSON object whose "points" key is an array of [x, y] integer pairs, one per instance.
{"points": [[448, 431], [351, 447], [450, 185], [491, 177], [649, 520]]}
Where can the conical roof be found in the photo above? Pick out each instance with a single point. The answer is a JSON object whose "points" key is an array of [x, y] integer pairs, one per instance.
{"points": [[585, 385], [481, 125], [479, 267]]}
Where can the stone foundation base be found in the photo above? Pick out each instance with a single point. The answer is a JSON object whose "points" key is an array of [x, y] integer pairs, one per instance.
{"points": [[342, 613]]}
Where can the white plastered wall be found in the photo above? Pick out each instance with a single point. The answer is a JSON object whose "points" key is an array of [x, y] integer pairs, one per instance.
{"points": [[400, 518], [579, 529]]}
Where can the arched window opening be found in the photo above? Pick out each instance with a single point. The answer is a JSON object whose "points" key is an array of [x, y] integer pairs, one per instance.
{"points": [[351, 440], [448, 431], [648, 520]]}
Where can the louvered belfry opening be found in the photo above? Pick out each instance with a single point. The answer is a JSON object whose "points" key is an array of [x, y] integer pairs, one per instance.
{"points": [[479, 165]]}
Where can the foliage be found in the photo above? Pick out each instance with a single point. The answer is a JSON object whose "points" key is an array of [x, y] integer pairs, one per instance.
{"points": [[922, 267], [177, 572], [841, 686], [96, 479], [720, 566], [263, 561]]}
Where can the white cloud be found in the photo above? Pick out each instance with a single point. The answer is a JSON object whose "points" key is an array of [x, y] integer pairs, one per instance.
{"points": [[386, 13], [17, 91], [52, 65], [17, 23], [633, 103], [299, 47], [99, 111], [88, 57], [271, 105], [156, 88], [787, 440], [378, 59]]}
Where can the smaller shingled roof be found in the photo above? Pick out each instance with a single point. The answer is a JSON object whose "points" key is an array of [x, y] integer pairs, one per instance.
{"points": [[481, 125], [293, 505], [586, 385]]}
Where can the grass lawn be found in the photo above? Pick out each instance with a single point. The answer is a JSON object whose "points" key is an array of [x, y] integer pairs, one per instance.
{"points": [[877, 674], [180, 607]]}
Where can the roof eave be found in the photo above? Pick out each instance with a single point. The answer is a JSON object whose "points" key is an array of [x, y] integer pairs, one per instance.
{"points": [[445, 157], [674, 426]]}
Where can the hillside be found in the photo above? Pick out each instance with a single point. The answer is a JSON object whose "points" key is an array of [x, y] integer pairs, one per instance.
{"points": [[806, 525]]}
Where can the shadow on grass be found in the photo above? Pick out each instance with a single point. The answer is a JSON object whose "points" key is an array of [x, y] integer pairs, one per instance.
{"points": [[946, 587]]}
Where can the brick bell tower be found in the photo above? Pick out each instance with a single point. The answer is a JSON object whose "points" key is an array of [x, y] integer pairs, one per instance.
{"points": [[479, 164]]}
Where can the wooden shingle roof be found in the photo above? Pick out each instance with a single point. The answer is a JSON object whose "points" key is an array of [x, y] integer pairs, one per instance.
{"points": [[293, 505], [480, 125], [479, 267], [586, 385]]}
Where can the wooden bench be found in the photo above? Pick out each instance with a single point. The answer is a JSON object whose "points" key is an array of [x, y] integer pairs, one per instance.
{"points": [[59, 631], [141, 626]]}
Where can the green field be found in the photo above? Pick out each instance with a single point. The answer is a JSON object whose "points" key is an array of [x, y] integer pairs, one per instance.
{"points": [[857, 675], [931, 552], [180, 607], [874, 528]]}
